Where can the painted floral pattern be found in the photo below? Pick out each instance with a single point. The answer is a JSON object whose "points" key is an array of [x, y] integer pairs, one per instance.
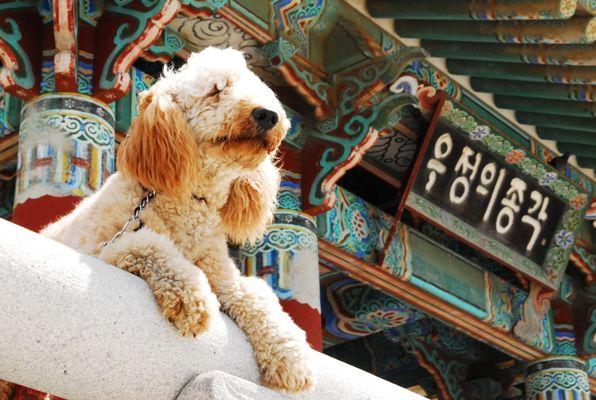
{"points": [[547, 179], [378, 320], [515, 156], [579, 201], [480, 132], [564, 238]]}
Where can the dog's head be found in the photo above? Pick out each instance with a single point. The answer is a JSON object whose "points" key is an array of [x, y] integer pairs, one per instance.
{"points": [[212, 117]]}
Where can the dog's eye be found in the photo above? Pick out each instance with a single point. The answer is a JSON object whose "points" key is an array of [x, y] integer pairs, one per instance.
{"points": [[217, 89], [214, 91]]}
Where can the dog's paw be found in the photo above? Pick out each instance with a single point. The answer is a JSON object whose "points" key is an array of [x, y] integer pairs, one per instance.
{"points": [[288, 369], [190, 311]]}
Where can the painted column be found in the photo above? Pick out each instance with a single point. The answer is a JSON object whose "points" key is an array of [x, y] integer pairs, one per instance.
{"points": [[288, 259], [66, 151], [557, 378]]}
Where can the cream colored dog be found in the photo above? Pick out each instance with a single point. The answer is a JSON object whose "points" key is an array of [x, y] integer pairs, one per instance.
{"points": [[204, 140]]}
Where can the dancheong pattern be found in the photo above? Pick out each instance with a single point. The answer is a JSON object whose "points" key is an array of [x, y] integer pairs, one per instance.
{"points": [[77, 158], [557, 378], [292, 233]]}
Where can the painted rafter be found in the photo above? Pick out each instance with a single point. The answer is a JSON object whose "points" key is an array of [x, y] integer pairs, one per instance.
{"points": [[443, 351], [317, 92], [65, 38], [472, 10], [575, 30], [550, 54]]}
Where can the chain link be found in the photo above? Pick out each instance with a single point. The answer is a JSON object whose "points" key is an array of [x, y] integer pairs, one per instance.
{"points": [[136, 216]]}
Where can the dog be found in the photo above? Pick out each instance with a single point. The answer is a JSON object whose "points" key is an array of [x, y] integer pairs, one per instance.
{"points": [[200, 157]]}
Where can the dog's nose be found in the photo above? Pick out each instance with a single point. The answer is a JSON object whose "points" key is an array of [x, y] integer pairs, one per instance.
{"points": [[266, 119]]}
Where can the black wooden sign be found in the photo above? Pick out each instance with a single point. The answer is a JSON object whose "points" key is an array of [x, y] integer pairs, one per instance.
{"points": [[472, 185], [476, 187]]}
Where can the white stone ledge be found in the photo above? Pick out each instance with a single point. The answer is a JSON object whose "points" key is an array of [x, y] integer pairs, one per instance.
{"points": [[80, 329]]}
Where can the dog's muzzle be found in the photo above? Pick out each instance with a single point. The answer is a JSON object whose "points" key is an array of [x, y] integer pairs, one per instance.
{"points": [[265, 119]]}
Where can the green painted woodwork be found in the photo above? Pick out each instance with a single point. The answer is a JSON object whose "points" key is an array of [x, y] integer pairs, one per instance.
{"points": [[533, 55], [584, 150], [125, 34], [569, 136], [358, 228], [471, 10], [259, 8], [573, 30], [494, 119], [556, 121], [17, 5], [524, 72], [338, 58], [439, 269], [534, 89], [557, 107], [123, 111], [170, 43], [586, 162], [12, 109], [558, 54]]}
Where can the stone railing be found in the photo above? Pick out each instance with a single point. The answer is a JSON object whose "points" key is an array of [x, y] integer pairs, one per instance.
{"points": [[80, 329]]}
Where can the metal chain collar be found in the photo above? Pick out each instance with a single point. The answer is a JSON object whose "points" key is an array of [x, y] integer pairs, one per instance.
{"points": [[136, 216]]}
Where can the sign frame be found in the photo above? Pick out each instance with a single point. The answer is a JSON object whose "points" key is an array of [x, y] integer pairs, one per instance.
{"points": [[514, 156]]}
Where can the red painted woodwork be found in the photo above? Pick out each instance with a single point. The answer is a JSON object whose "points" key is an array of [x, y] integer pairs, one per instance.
{"points": [[34, 214], [307, 318]]}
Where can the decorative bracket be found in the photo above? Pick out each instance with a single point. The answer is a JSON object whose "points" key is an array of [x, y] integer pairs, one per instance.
{"points": [[315, 91], [166, 47], [363, 109], [534, 310], [115, 58], [20, 48]]}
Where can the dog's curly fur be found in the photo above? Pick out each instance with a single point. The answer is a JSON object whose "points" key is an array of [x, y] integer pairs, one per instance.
{"points": [[194, 137]]}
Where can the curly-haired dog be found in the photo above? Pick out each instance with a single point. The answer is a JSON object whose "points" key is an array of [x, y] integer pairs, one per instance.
{"points": [[204, 140]]}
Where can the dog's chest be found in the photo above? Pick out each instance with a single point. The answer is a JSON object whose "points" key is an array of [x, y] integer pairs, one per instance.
{"points": [[188, 225]]}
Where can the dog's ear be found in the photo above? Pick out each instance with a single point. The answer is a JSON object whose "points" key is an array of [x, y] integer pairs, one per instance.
{"points": [[159, 150], [251, 204]]}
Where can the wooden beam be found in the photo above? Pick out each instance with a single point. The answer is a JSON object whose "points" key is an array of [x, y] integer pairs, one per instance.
{"points": [[432, 305]]}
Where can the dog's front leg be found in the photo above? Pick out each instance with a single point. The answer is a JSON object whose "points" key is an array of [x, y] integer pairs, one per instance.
{"points": [[280, 347], [180, 288]]}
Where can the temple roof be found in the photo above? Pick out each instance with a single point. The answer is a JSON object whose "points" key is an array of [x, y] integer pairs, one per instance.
{"points": [[537, 58]]}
